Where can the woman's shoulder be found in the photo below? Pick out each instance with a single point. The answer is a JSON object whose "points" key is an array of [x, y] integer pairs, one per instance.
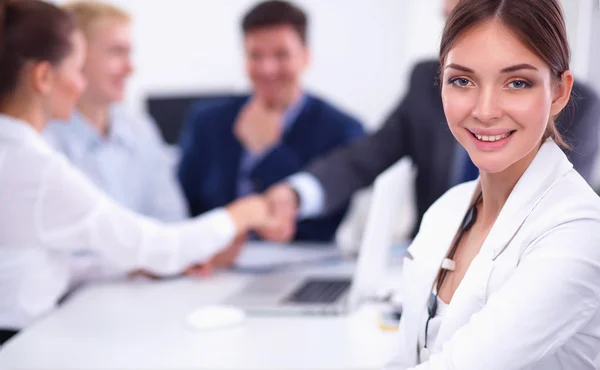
{"points": [[51, 174], [565, 224], [568, 200], [30, 156], [30, 166]]}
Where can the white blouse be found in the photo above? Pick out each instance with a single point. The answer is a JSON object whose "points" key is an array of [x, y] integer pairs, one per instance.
{"points": [[432, 330], [50, 210]]}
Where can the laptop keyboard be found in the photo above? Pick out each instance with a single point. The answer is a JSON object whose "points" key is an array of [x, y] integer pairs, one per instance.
{"points": [[319, 291]]}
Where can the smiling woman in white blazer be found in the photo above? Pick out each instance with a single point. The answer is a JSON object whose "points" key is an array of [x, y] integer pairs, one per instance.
{"points": [[505, 271]]}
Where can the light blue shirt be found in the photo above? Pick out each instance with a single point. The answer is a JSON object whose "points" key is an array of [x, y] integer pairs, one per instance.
{"points": [[250, 160], [131, 164]]}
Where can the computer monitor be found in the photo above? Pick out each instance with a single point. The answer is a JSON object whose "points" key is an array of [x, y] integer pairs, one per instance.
{"points": [[170, 110]]}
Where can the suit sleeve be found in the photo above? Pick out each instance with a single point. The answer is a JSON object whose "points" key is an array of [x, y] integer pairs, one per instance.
{"points": [[193, 160], [282, 161], [356, 166], [579, 125]]}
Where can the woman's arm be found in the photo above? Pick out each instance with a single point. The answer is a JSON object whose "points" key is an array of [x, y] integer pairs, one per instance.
{"points": [[71, 214]]}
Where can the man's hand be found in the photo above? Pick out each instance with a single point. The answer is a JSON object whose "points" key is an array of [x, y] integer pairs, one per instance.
{"points": [[251, 213], [283, 205], [259, 127]]}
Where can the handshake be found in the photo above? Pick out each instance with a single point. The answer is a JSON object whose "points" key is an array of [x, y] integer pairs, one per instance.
{"points": [[271, 215]]}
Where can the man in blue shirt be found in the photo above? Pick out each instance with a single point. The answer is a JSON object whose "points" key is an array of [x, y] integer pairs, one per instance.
{"points": [[121, 153], [244, 145]]}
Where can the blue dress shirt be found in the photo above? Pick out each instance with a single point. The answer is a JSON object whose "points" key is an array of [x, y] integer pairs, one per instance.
{"points": [[131, 164], [250, 160]]}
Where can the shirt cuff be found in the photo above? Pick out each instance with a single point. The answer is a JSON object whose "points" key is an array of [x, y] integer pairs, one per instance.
{"points": [[311, 193], [223, 226], [204, 236]]}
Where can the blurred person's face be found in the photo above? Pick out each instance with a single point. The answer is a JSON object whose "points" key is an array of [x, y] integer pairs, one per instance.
{"points": [[275, 60], [499, 97], [108, 63], [66, 83], [449, 6]]}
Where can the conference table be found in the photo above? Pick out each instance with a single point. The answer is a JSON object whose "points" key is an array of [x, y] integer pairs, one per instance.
{"points": [[142, 324]]}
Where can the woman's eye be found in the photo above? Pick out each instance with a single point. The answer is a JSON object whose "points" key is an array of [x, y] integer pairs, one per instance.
{"points": [[460, 82], [519, 84]]}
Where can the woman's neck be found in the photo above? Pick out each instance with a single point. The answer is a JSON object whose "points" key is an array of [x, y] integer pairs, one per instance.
{"points": [[26, 112], [97, 114], [496, 187]]}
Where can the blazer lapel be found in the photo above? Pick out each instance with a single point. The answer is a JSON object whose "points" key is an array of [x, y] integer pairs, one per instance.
{"points": [[230, 153], [301, 128], [430, 250], [548, 166]]}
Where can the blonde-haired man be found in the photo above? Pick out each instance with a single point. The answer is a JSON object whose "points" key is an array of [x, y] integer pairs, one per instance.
{"points": [[121, 153]]}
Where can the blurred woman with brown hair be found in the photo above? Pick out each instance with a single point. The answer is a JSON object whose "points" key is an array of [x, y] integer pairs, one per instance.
{"points": [[49, 209]]}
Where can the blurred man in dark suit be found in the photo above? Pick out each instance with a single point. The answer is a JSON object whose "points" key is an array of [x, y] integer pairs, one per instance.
{"points": [[417, 129]]}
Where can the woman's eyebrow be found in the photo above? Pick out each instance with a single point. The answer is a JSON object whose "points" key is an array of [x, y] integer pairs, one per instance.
{"points": [[510, 69], [518, 67], [459, 67]]}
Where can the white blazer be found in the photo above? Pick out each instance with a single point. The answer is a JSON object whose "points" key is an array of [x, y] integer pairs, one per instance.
{"points": [[530, 298]]}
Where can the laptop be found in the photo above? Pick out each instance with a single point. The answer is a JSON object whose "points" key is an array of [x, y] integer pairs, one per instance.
{"points": [[334, 293]]}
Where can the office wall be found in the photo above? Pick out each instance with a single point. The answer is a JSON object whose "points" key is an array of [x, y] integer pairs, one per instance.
{"points": [[359, 49], [362, 49], [594, 63]]}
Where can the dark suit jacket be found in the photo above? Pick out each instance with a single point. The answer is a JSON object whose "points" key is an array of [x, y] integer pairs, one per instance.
{"points": [[417, 128], [211, 156]]}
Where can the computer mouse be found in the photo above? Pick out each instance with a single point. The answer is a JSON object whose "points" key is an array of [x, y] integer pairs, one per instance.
{"points": [[215, 317]]}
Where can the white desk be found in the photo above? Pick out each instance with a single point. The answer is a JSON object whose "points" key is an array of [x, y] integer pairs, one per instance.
{"points": [[142, 325]]}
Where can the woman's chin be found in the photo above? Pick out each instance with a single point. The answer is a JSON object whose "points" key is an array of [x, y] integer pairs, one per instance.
{"points": [[490, 166]]}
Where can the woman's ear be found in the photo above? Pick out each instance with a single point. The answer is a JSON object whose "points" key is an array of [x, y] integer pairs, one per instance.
{"points": [[42, 75], [562, 93]]}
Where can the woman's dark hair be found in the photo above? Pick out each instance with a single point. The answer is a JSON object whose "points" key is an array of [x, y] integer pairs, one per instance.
{"points": [[540, 25], [276, 13], [30, 30]]}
